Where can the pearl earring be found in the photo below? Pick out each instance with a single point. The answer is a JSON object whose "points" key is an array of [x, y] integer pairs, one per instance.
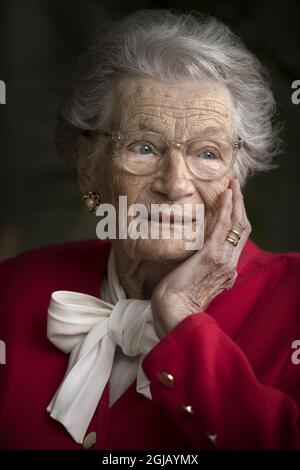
{"points": [[91, 200]]}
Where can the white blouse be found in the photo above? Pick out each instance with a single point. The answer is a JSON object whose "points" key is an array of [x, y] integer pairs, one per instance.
{"points": [[124, 371], [107, 339]]}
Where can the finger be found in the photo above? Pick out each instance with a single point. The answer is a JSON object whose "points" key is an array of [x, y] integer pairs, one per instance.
{"points": [[215, 242], [223, 222], [220, 251], [240, 221]]}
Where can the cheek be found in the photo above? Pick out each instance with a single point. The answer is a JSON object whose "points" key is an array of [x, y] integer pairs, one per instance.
{"points": [[130, 186], [114, 183], [104, 180], [210, 192]]}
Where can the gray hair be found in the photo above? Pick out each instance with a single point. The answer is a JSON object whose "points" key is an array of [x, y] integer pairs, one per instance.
{"points": [[170, 46]]}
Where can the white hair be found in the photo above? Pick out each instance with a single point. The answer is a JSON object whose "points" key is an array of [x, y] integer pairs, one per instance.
{"points": [[172, 47]]}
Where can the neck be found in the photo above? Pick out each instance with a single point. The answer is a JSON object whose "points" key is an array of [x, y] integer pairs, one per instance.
{"points": [[140, 277]]}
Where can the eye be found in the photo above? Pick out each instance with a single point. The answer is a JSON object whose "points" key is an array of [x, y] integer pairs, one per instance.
{"points": [[204, 150], [208, 155], [142, 149]]}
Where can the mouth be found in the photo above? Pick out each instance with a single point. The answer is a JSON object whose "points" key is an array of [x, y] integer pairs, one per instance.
{"points": [[171, 219]]}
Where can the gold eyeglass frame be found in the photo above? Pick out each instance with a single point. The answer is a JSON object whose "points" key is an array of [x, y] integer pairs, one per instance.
{"points": [[116, 137]]}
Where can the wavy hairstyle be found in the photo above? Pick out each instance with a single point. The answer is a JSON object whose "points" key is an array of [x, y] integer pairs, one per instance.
{"points": [[172, 47]]}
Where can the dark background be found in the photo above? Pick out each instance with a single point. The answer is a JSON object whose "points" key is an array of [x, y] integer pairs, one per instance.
{"points": [[39, 201]]}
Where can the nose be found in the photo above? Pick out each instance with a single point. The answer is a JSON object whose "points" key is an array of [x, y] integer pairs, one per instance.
{"points": [[173, 180]]}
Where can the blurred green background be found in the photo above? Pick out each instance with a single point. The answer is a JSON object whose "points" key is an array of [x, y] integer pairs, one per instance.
{"points": [[40, 203]]}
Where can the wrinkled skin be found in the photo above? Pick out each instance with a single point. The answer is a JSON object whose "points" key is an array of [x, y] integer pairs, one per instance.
{"points": [[178, 281]]}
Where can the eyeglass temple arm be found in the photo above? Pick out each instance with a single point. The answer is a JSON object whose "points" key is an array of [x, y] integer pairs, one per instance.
{"points": [[239, 143], [106, 134]]}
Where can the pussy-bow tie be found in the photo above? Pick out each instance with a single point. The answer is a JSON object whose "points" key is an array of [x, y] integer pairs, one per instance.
{"points": [[90, 329]]}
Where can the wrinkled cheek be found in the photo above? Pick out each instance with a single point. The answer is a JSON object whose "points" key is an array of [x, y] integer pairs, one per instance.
{"points": [[116, 189], [130, 186], [210, 195], [109, 183], [210, 221]]}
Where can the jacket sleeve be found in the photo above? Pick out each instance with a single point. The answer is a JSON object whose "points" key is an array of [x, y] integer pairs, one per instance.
{"points": [[208, 387]]}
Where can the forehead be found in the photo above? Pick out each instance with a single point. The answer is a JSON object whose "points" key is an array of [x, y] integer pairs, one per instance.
{"points": [[185, 106]]}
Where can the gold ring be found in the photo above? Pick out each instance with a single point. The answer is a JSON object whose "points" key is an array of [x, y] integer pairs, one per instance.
{"points": [[233, 237], [235, 232], [232, 240]]}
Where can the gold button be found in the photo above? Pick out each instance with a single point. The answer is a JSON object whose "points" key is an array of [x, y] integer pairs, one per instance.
{"points": [[167, 379], [212, 438], [89, 440], [188, 409]]}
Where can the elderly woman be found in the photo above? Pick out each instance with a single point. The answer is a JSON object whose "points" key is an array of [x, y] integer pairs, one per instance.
{"points": [[140, 342]]}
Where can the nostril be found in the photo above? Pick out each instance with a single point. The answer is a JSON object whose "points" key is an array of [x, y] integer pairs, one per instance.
{"points": [[175, 192]]}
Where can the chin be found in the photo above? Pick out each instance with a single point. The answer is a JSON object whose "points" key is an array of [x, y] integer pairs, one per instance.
{"points": [[160, 250]]}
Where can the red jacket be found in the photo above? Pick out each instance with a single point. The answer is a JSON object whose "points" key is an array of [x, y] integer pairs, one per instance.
{"points": [[231, 365]]}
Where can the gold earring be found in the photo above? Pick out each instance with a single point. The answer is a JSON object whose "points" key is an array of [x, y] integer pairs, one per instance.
{"points": [[91, 200]]}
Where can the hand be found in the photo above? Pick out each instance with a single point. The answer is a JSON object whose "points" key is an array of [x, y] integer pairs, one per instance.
{"points": [[191, 287]]}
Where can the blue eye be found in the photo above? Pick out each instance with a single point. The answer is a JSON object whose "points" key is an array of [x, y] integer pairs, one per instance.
{"points": [[143, 149], [208, 155]]}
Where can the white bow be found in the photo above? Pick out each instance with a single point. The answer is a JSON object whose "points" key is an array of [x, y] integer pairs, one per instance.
{"points": [[90, 328]]}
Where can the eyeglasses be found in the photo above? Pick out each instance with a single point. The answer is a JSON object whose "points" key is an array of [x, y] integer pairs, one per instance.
{"points": [[141, 152]]}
